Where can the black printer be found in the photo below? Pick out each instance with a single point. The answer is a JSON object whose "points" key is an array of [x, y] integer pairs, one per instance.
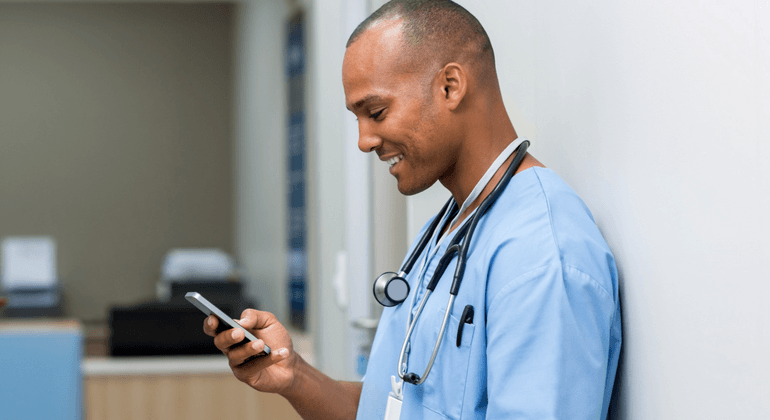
{"points": [[172, 327]]}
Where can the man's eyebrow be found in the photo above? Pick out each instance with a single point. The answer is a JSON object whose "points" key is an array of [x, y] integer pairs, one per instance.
{"points": [[368, 98]]}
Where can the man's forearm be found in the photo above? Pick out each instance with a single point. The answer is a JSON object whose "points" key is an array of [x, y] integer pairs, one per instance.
{"points": [[316, 396]]}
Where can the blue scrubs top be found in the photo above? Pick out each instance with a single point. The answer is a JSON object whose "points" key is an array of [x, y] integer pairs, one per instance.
{"points": [[545, 337]]}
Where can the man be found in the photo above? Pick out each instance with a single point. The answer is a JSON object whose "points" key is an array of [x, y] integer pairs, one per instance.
{"points": [[544, 340]]}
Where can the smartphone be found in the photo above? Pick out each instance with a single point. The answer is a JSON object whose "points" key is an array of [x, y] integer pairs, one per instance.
{"points": [[209, 308]]}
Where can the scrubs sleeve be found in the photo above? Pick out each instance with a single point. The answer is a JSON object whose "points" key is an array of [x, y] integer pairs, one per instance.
{"points": [[548, 343]]}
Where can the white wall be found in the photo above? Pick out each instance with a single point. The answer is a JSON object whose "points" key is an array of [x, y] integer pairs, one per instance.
{"points": [[260, 150], [260, 166], [330, 146], [326, 107], [658, 113]]}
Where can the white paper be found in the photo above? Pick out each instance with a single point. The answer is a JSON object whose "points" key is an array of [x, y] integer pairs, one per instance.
{"points": [[28, 261], [197, 264]]}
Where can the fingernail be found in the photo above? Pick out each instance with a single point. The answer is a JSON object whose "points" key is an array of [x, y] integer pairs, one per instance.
{"points": [[255, 345], [235, 334], [210, 322], [283, 352]]}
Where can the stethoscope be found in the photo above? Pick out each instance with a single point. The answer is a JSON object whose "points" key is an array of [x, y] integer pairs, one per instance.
{"points": [[391, 289]]}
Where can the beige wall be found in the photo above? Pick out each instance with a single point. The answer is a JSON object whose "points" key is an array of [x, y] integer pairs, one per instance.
{"points": [[115, 139]]}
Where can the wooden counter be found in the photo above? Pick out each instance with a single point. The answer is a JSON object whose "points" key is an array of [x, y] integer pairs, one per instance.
{"points": [[128, 388], [170, 388], [179, 387]]}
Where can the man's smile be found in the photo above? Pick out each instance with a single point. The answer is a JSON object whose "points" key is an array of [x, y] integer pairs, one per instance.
{"points": [[394, 160]]}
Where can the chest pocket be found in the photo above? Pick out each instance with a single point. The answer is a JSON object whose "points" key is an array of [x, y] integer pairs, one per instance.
{"points": [[442, 394]]}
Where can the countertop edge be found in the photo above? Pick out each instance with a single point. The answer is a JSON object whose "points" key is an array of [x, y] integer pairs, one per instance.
{"points": [[164, 365]]}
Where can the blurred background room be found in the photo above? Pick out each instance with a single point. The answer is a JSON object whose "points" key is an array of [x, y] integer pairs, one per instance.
{"points": [[148, 149]]}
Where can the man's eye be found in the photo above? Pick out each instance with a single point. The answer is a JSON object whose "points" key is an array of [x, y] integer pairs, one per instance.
{"points": [[376, 114]]}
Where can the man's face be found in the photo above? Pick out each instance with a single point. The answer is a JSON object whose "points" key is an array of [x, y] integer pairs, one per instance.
{"points": [[399, 115]]}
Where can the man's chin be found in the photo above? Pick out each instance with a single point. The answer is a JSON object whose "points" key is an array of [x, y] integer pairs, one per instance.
{"points": [[408, 189]]}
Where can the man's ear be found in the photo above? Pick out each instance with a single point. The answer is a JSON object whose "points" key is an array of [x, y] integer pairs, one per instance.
{"points": [[454, 84]]}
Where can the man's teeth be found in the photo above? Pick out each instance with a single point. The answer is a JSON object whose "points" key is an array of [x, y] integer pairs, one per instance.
{"points": [[394, 160]]}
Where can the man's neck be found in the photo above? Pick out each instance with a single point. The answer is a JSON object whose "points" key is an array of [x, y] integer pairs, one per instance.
{"points": [[528, 162]]}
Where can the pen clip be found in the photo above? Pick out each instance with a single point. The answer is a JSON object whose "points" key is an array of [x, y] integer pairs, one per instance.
{"points": [[466, 318]]}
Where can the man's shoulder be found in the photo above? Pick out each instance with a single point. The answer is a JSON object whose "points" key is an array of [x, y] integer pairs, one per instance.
{"points": [[538, 202], [541, 221]]}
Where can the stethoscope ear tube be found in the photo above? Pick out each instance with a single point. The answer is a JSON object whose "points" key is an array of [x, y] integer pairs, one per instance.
{"points": [[407, 267], [462, 254], [413, 378], [390, 289], [455, 248], [448, 256]]}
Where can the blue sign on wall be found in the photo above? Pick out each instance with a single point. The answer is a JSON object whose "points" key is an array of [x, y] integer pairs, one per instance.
{"points": [[296, 172]]}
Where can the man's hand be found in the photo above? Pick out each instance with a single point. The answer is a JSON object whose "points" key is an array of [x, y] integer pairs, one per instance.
{"points": [[313, 394], [267, 373]]}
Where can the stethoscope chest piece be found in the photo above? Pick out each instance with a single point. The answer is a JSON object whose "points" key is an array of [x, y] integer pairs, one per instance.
{"points": [[390, 289]]}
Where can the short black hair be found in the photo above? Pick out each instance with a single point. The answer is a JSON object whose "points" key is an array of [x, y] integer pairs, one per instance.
{"points": [[439, 29]]}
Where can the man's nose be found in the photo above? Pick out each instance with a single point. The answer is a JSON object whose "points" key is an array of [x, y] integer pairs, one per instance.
{"points": [[368, 141]]}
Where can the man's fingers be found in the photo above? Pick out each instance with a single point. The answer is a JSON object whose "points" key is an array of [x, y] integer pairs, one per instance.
{"points": [[210, 325], [257, 361], [276, 356], [246, 353], [247, 322], [229, 338], [254, 319], [280, 354]]}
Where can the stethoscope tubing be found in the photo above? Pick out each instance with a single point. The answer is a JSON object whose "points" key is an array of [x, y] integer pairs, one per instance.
{"points": [[462, 258], [464, 235], [407, 267]]}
